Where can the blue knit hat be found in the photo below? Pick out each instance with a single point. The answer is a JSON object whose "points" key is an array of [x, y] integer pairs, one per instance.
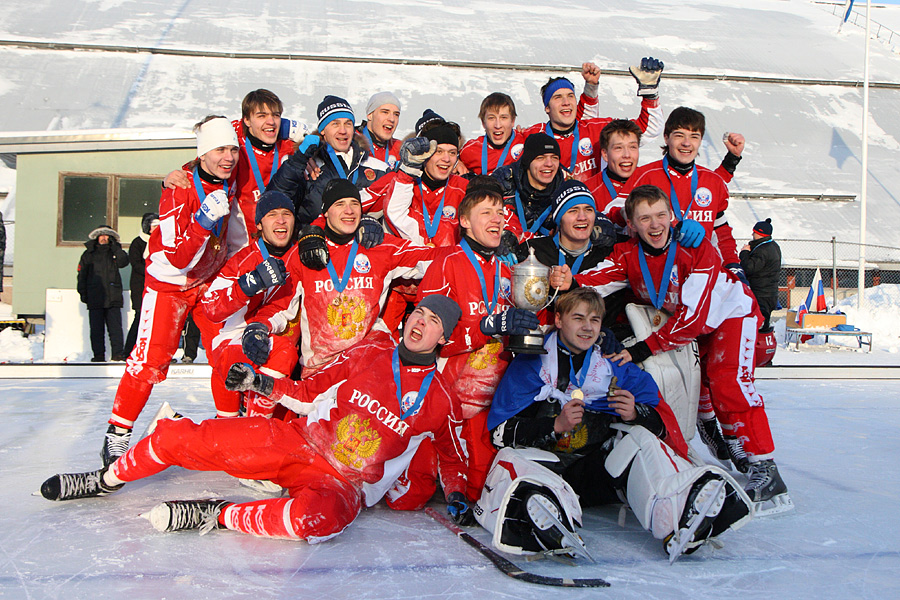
{"points": [[571, 193], [271, 200], [331, 108]]}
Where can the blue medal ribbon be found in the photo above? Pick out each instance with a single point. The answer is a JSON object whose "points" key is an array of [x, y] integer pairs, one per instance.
{"points": [[432, 224], [573, 376], [420, 395], [536, 226], [489, 304], [201, 195], [340, 284], [337, 164], [657, 298], [373, 146], [575, 139], [676, 206], [262, 248], [610, 188], [257, 175], [576, 266], [484, 154]]}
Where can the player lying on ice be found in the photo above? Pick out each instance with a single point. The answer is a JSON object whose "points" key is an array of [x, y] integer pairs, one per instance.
{"points": [[576, 429], [358, 430]]}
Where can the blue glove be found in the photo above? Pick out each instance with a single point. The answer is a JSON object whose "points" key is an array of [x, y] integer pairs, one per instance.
{"points": [[312, 249], [648, 76], [689, 233], [293, 130], [738, 270], [506, 251], [512, 321], [608, 342], [212, 209], [413, 154], [268, 273], [242, 378], [370, 233], [459, 509], [255, 343], [310, 142]]}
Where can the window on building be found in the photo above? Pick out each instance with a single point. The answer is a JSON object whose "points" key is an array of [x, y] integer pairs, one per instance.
{"points": [[89, 200]]}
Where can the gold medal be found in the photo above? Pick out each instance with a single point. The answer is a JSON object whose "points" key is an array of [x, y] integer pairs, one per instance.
{"points": [[577, 394]]}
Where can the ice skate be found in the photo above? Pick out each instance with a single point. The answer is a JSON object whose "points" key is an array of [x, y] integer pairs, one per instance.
{"points": [[737, 454], [115, 444], [179, 515], [549, 530], [712, 438], [165, 412], [767, 490], [703, 505], [262, 485], [75, 486]]}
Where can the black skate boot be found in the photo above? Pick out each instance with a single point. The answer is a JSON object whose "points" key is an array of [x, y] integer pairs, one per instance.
{"points": [[179, 515], [767, 490], [703, 505], [712, 437], [737, 454], [74, 486], [115, 444], [545, 516]]}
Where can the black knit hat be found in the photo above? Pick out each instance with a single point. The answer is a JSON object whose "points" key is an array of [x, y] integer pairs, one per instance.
{"points": [[442, 134], [337, 189], [271, 200], [147, 221], [429, 116], [445, 308], [763, 227], [537, 144]]}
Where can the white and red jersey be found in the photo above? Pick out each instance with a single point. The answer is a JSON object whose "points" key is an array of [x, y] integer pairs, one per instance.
{"points": [[181, 253], [701, 293], [475, 362], [583, 141], [707, 202], [406, 201], [388, 153], [332, 321], [252, 182], [358, 422], [483, 158]]}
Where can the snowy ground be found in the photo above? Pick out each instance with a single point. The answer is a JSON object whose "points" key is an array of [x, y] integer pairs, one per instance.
{"points": [[835, 446]]}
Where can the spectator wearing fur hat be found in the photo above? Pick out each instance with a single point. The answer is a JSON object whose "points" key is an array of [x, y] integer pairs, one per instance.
{"points": [[761, 261], [100, 287]]}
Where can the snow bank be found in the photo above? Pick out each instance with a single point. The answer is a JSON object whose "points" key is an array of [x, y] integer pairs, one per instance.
{"points": [[15, 347], [880, 315]]}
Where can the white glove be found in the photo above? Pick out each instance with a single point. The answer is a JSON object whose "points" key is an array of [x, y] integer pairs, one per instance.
{"points": [[214, 207]]}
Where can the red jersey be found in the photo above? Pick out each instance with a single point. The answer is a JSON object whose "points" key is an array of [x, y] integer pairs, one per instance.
{"points": [[407, 200], [707, 201], [483, 158], [701, 294], [362, 429], [181, 253], [388, 153], [475, 362]]}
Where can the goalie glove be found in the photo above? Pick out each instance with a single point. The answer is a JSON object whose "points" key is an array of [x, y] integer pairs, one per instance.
{"points": [[312, 249], [242, 378], [413, 154], [370, 233], [689, 233], [647, 76], [459, 509], [293, 130], [268, 273], [512, 321], [255, 342]]}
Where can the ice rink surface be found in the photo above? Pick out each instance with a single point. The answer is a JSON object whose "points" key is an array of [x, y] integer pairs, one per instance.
{"points": [[836, 446]]}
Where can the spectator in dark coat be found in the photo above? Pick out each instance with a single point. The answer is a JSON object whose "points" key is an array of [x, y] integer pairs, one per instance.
{"points": [[761, 261], [137, 256], [2, 248], [100, 287]]}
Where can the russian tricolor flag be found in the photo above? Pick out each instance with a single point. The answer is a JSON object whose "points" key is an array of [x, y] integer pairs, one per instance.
{"points": [[815, 300]]}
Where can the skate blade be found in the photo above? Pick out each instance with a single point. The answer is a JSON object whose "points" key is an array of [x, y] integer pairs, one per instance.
{"points": [[685, 537], [773, 506], [165, 412], [576, 545], [261, 485]]}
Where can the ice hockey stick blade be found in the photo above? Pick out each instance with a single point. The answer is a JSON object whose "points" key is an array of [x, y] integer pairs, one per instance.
{"points": [[507, 567]]}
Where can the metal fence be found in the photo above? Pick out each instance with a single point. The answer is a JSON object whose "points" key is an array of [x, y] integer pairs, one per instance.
{"points": [[858, 17]]}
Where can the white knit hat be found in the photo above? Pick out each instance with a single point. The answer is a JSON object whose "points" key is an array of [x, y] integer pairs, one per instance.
{"points": [[215, 133], [380, 99]]}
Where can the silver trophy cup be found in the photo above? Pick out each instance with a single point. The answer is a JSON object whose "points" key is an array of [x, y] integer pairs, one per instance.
{"points": [[530, 291]]}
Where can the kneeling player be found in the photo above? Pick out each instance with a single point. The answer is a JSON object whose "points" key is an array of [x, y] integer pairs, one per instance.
{"points": [[601, 426], [360, 428]]}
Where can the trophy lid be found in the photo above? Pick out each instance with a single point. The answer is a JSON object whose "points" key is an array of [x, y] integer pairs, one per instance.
{"points": [[531, 267]]}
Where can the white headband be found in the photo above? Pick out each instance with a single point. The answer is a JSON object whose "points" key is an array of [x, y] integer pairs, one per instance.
{"points": [[215, 133]]}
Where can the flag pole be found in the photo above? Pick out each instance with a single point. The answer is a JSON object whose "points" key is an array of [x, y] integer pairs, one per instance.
{"points": [[861, 278]]}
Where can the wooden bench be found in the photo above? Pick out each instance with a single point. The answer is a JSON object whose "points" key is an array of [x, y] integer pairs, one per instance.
{"points": [[793, 334], [20, 324]]}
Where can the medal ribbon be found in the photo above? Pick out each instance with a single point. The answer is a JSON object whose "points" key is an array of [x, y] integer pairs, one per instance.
{"points": [[536, 226], [657, 298], [432, 224], [251, 158], [201, 195], [676, 206], [610, 188], [573, 376], [420, 395], [488, 303], [484, 154], [373, 146], [337, 165], [340, 284], [575, 139], [262, 248], [576, 266]]}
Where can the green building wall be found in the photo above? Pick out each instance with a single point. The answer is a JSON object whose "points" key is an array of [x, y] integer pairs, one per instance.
{"points": [[41, 264]]}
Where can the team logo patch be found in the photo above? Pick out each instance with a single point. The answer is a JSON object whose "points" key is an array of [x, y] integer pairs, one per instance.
{"points": [[585, 148], [370, 174], [673, 278], [516, 151], [703, 197], [408, 401], [392, 160], [356, 441], [505, 287], [361, 264], [449, 212]]}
